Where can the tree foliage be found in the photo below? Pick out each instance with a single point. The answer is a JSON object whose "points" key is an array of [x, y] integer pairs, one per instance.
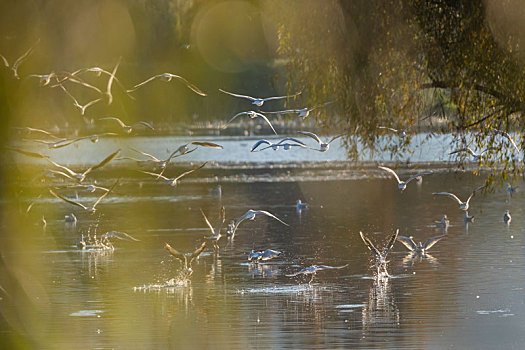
{"points": [[443, 66]]}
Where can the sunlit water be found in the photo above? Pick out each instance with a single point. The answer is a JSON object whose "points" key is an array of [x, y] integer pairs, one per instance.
{"points": [[466, 293]]}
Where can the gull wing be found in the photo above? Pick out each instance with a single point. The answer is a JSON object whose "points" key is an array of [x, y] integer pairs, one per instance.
{"points": [[154, 174], [390, 244], [19, 61], [27, 153], [237, 95], [258, 143], [145, 154], [47, 133], [431, 241], [369, 244], [65, 168], [418, 175], [143, 83], [235, 116], [474, 192], [246, 215], [103, 162], [115, 119], [207, 222], [335, 138], [387, 128], [87, 105], [174, 252], [280, 97], [391, 172], [269, 254], [197, 252], [407, 242], [326, 267], [282, 112], [451, 195], [6, 63], [206, 144], [267, 121], [106, 193], [310, 269], [270, 215], [312, 135], [291, 139], [120, 235], [146, 124], [68, 200], [191, 171], [190, 86], [110, 83]]}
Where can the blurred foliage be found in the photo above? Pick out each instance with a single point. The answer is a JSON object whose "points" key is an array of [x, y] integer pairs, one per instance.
{"points": [[443, 66]]}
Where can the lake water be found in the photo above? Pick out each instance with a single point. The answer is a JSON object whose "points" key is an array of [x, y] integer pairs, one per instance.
{"points": [[467, 292]]}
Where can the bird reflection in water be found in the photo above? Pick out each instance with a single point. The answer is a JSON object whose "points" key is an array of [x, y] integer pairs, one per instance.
{"points": [[263, 270], [414, 257], [380, 310]]}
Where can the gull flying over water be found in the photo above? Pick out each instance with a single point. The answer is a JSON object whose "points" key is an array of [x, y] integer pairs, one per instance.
{"points": [[17, 62], [475, 156], [253, 115], [462, 205], [186, 259], [91, 209], [312, 270], [264, 255], [81, 176], [258, 101], [380, 256], [128, 128], [168, 77], [250, 215], [323, 146], [173, 181], [420, 248], [215, 231], [68, 172], [399, 132], [54, 144], [403, 184], [281, 144]]}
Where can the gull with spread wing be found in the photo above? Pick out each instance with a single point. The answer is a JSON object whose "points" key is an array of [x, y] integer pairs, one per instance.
{"points": [[186, 259], [402, 185], [419, 248], [399, 132], [264, 255], [380, 256], [215, 231], [258, 101], [323, 146], [81, 176], [475, 156], [91, 209], [17, 62], [281, 144], [173, 181], [128, 128], [462, 205], [253, 115], [250, 215], [168, 77]]}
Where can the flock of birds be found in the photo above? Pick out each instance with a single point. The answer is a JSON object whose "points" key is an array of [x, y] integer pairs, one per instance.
{"points": [[75, 178]]}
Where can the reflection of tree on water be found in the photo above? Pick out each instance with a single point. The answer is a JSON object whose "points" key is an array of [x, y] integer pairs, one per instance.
{"points": [[381, 309]]}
